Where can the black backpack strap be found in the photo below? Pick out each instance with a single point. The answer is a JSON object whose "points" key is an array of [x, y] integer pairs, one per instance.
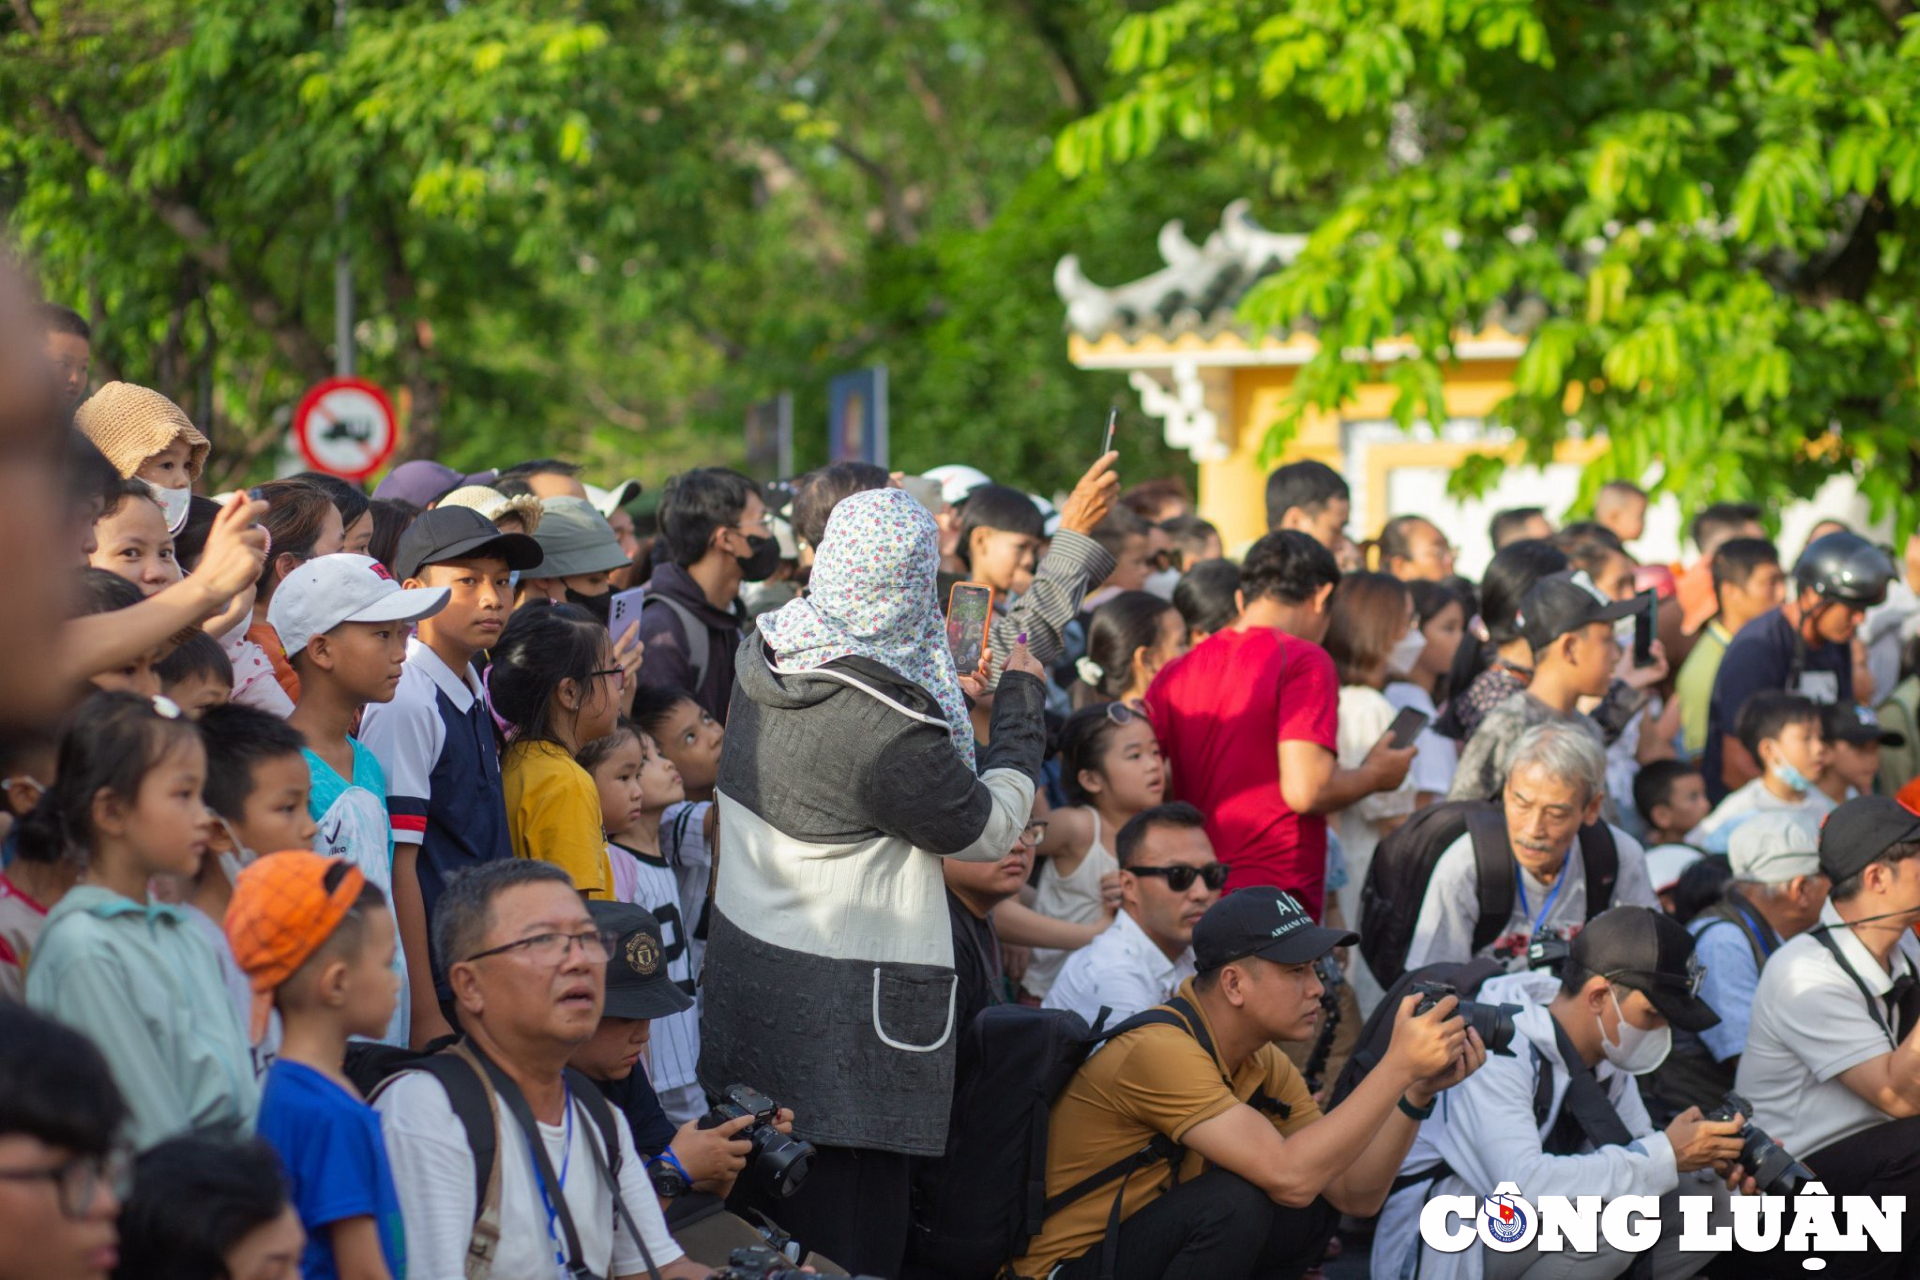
{"points": [[1601, 860], [699, 647], [602, 1112], [1493, 864], [472, 1104]]}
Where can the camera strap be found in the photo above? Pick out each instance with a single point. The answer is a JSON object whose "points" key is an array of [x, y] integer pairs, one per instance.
{"points": [[1586, 1101], [1902, 994]]}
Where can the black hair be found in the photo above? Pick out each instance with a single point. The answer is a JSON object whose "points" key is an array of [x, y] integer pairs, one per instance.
{"points": [[55, 1084], [239, 739], [542, 646], [103, 591], [996, 506], [819, 492], [1205, 595], [198, 657], [1719, 518], [1176, 813], [391, 518], [1653, 785], [92, 481], [191, 542], [593, 754], [1122, 625], [350, 500], [1506, 526], [193, 1200], [1581, 532], [1703, 883], [1151, 495], [110, 743], [1736, 559], [1588, 552], [1767, 714], [55, 318], [1396, 538], [1512, 572], [694, 504], [509, 487], [1083, 744], [117, 495], [542, 467], [1289, 566], [1307, 485], [296, 515], [653, 703], [465, 907], [1118, 525], [1430, 600], [1850, 886], [1191, 534]]}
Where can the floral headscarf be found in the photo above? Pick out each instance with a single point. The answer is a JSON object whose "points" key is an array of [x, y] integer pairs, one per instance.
{"points": [[872, 595]]}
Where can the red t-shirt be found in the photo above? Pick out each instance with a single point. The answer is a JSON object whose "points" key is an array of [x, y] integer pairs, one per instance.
{"points": [[1221, 713]]}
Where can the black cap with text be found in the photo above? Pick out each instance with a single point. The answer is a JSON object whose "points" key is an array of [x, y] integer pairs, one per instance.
{"points": [[1262, 921]]}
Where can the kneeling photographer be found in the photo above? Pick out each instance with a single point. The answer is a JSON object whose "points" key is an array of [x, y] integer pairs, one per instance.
{"points": [[1561, 1115]]}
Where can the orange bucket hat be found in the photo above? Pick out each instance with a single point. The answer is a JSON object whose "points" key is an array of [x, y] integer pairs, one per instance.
{"points": [[282, 911]]}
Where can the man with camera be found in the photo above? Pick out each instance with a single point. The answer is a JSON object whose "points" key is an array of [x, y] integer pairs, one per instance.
{"points": [[1262, 1174], [1832, 1061], [1561, 1114]]}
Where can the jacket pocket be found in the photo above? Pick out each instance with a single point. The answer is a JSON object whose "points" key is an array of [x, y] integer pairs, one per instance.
{"points": [[913, 1007]]}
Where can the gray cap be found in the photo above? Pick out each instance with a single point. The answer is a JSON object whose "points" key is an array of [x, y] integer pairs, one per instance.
{"points": [[1774, 847], [576, 539]]}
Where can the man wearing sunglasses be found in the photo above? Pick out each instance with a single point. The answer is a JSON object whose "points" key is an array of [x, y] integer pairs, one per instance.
{"points": [[1169, 876], [1561, 1114]]}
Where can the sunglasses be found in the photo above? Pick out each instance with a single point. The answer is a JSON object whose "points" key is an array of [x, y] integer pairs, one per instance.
{"points": [[1690, 983], [1181, 878]]}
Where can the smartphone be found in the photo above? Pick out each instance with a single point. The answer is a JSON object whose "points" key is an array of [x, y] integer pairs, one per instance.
{"points": [[1113, 416], [624, 609], [1646, 626], [969, 611], [1406, 727]]}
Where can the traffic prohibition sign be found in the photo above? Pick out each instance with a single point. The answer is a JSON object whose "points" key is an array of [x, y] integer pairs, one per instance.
{"points": [[345, 427]]}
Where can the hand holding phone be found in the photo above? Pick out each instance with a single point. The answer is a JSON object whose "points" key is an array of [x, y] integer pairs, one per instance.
{"points": [[969, 612], [1646, 627], [1406, 727], [624, 609], [1113, 417]]}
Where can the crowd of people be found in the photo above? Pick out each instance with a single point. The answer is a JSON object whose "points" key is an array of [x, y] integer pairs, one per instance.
{"points": [[470, 878]]}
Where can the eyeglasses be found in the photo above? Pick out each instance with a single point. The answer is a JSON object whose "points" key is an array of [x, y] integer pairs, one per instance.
{"points": [[1034, 832], [552, 948], [1181, 878], [619, 675], [1690, 983], [77, 1181]]}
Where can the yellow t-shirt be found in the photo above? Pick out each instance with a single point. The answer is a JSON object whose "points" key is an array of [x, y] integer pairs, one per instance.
{"points": [[553, 814], [1155, 1080]]}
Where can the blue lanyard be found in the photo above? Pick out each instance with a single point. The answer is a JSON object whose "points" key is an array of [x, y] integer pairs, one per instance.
{"points": [[1759, 937], [1520, 883], [566, 1158]]}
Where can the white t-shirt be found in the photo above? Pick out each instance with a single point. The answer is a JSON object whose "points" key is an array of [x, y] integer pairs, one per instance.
{"points": [[433, 1172], [683, 841], [673, 1043], [1432, 769], [1714, 831], [1809, 1025]]}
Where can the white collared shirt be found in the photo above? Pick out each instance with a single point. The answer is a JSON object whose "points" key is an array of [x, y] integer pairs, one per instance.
{"points": [[1809, 1026], [1122, 970], [407, 733]]}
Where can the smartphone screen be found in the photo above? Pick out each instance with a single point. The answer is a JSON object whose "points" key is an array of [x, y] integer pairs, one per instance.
{"points": [[1406, 727], [969, 610], [624, 609], [1113, 416], [1646, 625]]}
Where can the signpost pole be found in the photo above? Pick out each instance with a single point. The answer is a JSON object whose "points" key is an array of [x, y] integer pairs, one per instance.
{"points": [[342, 263]]}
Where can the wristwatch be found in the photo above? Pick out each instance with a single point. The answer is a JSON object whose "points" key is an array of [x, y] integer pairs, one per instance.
{"points": [[670, 1180], [1413, 1112]]}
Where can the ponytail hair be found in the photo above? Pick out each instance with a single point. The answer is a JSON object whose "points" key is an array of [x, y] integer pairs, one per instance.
{"points": [[1119, 629], [110, 743], [542, 647]]}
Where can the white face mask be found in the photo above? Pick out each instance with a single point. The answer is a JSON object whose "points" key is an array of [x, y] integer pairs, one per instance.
{"points": [[1639, 1050], [1407, 653], [233, 861], [1162, 583], [173, 504]]}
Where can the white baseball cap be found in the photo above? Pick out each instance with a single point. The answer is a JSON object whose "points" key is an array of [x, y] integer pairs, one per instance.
{"points": [[956, 481], [608, 501], [329, 590]]}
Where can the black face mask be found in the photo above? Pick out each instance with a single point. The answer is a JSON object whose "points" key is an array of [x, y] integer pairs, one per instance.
{"points": [[763, 562], [600, 606]]}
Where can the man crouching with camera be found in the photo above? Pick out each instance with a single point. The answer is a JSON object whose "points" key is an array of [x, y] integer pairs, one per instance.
{"points": [[1561, 1114], [1201, 1141]]}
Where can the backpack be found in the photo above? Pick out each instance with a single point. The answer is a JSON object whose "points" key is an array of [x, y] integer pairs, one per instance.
{"points": [[698, 643], [981, 1205], [372, 1067], [1396, 883]]}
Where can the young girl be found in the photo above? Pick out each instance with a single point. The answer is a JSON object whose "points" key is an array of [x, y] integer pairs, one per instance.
{"points": [[1111, 766], [1129, 639], [557, 685], [1441, 617], [134, 974], [637, 784], [1370, 635], [685, 734]]}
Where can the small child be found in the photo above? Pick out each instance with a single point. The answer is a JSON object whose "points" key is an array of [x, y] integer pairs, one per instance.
{"points": [[1784, 732], [637, 784], [197, 675], [103, 592], [685, 734], [132, 973], [315, 937], [147, 437], [1855, 735], [38, 874], [343, 620], [1671, 796], [257, 788]]}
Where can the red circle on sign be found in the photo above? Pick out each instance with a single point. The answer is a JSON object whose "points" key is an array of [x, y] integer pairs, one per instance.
{"points": [[303, 422]]}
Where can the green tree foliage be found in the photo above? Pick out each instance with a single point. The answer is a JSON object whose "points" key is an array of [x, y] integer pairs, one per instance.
{"points": [[1712, 203], [601, 227]]}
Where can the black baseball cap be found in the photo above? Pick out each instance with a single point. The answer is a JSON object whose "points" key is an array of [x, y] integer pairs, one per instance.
{"points": [[1652, 953], [1262, 921], [1850, 722], [450, 533], [1564, 602], [637, 981], [1860, 831]]}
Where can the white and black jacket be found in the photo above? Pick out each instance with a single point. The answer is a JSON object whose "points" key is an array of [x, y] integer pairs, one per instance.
{"points": [[829, 982]]}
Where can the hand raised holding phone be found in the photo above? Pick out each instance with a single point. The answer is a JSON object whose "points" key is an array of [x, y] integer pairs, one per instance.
{"points": [[1093, 497]]}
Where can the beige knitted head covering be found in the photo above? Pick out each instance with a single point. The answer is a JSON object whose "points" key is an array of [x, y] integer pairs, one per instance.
{"points": [[130, 424], [493, 504]]}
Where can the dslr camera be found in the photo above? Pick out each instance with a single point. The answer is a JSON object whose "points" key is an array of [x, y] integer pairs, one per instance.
{"points": [[1548, 951], [780, 1162], [762, 1263], [1494, 1022], [1770, 1164]]}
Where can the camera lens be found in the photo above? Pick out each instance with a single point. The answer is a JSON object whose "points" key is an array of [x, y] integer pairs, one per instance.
{"points": [[1494, 1022], [780, 1162]]}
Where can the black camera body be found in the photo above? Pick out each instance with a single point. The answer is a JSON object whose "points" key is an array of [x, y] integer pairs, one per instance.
{"points": [[1494, 1022], [1770, 1164], [1548, 951], [762, 1263], [779, 1161]]}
